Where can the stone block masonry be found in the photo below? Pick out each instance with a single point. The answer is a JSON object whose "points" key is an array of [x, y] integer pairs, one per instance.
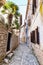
{"points": [[3, 41]]}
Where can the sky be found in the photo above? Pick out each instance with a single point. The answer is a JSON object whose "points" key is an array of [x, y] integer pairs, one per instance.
{"points": [[22, 4]]}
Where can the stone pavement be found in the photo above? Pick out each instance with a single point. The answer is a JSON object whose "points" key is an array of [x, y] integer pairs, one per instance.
{"points": [[23, 55], [38, 52]]}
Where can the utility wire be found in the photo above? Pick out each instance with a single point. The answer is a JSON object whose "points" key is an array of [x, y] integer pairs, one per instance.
{"points": [[35, 17]]}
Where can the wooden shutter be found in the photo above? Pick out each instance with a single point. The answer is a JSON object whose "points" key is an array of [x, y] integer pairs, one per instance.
{"points": [[34, 7], [37, 33], [33, 36]]}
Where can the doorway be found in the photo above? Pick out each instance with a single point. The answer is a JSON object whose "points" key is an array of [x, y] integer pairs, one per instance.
{"points": [[8, 42]]}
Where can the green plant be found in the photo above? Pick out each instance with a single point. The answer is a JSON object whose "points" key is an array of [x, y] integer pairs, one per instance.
{"points": [[11, 9], [15, 24], [6, 24]]}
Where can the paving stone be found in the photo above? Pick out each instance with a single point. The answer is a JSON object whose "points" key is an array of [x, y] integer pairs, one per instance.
{"points": [[10, 55], [23, 55]]}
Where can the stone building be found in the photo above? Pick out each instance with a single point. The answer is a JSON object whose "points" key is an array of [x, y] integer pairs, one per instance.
{"points": [[3, 39], [8, 40], [36, 28]]}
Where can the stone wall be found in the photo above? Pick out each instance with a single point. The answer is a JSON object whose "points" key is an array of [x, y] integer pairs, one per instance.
{"points": [[14, 40], [3, 41]]}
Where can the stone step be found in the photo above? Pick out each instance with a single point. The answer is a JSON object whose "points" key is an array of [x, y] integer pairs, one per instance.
{"points": [[6, 60], [9, 56]]}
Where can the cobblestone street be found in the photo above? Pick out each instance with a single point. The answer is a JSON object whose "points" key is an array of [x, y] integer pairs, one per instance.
{"points": [[23, 55], [21, 32]]}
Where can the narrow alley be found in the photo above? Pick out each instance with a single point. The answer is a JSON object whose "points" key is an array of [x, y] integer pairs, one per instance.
{"points": [[21, 32], [23, 55]]}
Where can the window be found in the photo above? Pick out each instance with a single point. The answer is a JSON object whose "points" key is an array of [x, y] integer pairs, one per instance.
{"points": [[34, 7]]}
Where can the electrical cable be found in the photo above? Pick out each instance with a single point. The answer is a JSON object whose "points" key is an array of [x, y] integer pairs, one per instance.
{"points": [[35, 17]]}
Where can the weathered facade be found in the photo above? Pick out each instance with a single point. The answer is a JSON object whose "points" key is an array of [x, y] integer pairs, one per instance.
{"points": [[3, 40], [36, 28], [8, 40], [12, 41]]}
